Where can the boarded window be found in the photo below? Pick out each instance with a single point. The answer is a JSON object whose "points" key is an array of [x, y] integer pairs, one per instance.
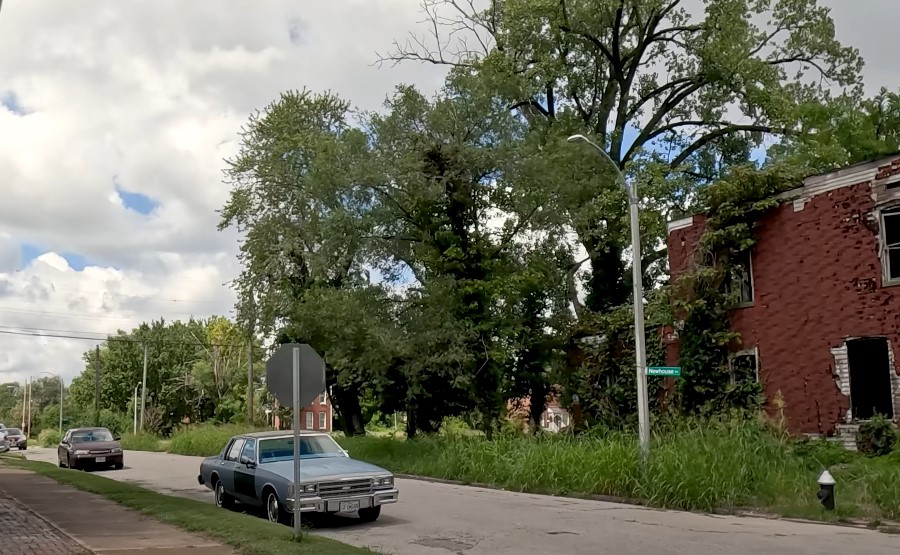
{"points": [[891, 237]]}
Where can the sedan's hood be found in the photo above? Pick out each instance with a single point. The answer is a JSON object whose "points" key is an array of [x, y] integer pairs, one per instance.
{"points": [[331, 468], [97, 445]]}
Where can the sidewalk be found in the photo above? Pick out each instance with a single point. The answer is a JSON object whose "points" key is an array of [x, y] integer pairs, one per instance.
{"points": [[48, 518]]}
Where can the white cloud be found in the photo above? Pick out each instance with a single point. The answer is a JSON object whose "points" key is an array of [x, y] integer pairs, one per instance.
{"points": [[152, 95]]}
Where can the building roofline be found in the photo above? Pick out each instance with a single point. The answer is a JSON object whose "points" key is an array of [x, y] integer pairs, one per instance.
{"points": [[813, 185]]}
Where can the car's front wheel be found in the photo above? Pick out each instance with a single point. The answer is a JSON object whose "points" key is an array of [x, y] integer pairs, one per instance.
{"points": [[370, 514], [222, 498], [275, 512]]}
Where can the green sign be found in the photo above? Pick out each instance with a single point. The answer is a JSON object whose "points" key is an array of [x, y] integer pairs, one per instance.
{"points": [[671, 371]]}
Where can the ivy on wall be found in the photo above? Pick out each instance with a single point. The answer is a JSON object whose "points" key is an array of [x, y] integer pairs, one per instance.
{"points": [[703, 298]]}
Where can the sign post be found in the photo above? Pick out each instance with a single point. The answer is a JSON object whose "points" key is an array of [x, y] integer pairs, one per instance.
{"points": [[667, 371], [295, 375], [296, 410]]}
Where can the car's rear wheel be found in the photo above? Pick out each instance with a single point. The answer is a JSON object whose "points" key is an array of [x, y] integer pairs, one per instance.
{"points": [[275, 512], [222, 498], [370, 514]]}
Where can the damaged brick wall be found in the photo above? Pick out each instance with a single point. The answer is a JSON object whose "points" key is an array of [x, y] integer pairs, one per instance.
{"points": [[817, 281]]}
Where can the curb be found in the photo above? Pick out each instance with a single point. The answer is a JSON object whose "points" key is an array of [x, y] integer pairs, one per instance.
{"points": [[885, 527], [42, 518]]}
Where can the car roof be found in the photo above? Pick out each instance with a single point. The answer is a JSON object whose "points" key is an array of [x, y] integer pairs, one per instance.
{"points": [[91, 429], [280, 433]]}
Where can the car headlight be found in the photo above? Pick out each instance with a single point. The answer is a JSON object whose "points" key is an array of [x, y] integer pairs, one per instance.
{"points": [[81, 452], [309, 488], [304, 489], [386, 481], [116, 450]]}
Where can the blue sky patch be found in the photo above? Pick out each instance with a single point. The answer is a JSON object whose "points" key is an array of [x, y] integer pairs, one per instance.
{"points": [[137, 202], [29, 251], [10, 101]]}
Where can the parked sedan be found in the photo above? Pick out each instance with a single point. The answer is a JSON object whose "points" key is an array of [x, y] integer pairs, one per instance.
{"points": [[81, 447], [16, 439], [258, 470]]}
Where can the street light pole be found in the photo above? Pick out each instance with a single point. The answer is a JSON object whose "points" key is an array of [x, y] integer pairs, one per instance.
{"points": [[640, 347]]}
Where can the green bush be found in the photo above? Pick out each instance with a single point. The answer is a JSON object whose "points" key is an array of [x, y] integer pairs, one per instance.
{"points": [[49, 438], [204, 440], [877, 437], [141, 442]]}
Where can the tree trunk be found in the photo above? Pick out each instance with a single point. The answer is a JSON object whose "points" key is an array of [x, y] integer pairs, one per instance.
{"points": [[346, 402]]}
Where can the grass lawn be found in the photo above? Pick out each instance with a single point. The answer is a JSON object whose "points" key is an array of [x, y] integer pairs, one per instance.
{"points": [[248, 534]]}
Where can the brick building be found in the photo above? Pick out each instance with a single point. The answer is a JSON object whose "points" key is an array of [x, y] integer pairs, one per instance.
{"points": [[317, 416], [820, 318]]}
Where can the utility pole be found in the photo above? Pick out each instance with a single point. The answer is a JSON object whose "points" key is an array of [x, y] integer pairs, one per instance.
{"points": [[62, 387], [144, 388], [30, 401], [24, 402], [250, 391], [97, 387]]}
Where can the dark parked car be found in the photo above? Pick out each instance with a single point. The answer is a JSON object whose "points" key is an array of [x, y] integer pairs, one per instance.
{"points": [[16, 439], [81, 447], [258, 470]]}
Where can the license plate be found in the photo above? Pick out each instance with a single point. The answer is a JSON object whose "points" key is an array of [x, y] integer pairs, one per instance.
{"points": [[348, 506], [101, 459]]}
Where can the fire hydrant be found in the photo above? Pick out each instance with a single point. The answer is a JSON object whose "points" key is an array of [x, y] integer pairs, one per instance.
{"points": [[826, 490]]}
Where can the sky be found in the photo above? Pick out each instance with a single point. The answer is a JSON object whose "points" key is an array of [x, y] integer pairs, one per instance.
{"points": [[115, 120]]}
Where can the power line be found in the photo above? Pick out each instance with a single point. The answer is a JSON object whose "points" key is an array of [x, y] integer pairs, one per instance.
{"points": [[145, 297], [17, 310], [111, 338]]}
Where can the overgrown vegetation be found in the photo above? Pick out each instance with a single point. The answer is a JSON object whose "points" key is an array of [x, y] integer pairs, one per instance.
{"points": [[876, 437], [698, 464]]}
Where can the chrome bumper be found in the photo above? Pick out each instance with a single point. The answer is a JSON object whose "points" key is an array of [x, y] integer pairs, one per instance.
{"points": [[332, 504]]}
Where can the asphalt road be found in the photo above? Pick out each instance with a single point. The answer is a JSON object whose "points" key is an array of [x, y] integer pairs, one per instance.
{"points": [[443, 519]]}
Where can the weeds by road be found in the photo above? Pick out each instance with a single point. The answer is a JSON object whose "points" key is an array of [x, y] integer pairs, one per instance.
{"points": [[737, 464], [248, 534]]}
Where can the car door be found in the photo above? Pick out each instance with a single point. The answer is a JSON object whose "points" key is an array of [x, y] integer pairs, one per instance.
{"points": [[62, 451], [228, 464], [245, 474]]}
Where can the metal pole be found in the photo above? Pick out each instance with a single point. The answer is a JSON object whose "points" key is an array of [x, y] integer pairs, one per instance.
{"points": [[30, 401], [62, 388], [24, 402], [250, 391], [296, 407], [144, 389], [640, 348], [136, 407], [97, 388]]}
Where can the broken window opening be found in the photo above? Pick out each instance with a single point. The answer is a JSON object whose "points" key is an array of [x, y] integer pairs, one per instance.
{"points": [[890, 236], [740, 282], [869, 366], [744, 367]]}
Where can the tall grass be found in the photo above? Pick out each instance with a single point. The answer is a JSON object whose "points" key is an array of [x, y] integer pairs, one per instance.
{"points": [[204, 440], [693, 465]]}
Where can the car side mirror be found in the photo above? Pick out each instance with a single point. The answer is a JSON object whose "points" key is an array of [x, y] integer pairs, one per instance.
{"points": [[247, 461], [117, 438]]}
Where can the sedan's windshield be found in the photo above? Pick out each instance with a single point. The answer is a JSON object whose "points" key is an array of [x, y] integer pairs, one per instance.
{"points": [[311, 447], [90, 436], [12, 432]]}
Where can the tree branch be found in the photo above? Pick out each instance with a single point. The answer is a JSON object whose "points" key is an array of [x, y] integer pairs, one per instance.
{"points": [[713, 135]]}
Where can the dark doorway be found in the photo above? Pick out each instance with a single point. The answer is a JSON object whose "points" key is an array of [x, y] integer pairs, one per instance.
{"points": [[870, 378]]}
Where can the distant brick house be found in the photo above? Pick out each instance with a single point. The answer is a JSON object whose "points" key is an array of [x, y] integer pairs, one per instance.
{"points": [[317, 416], [553, 419], [820, 319]]}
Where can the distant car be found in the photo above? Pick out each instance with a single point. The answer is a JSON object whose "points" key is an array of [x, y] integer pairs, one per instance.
{"points": [[82, 447], [16, 439], [258, 470], [4, 446]]}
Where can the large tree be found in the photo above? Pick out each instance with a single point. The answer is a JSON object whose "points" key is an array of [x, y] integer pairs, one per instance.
{"points": [[673, 97]]}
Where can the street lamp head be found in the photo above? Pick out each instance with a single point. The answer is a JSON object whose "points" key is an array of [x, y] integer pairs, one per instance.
{"points": [[576, 138]]}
